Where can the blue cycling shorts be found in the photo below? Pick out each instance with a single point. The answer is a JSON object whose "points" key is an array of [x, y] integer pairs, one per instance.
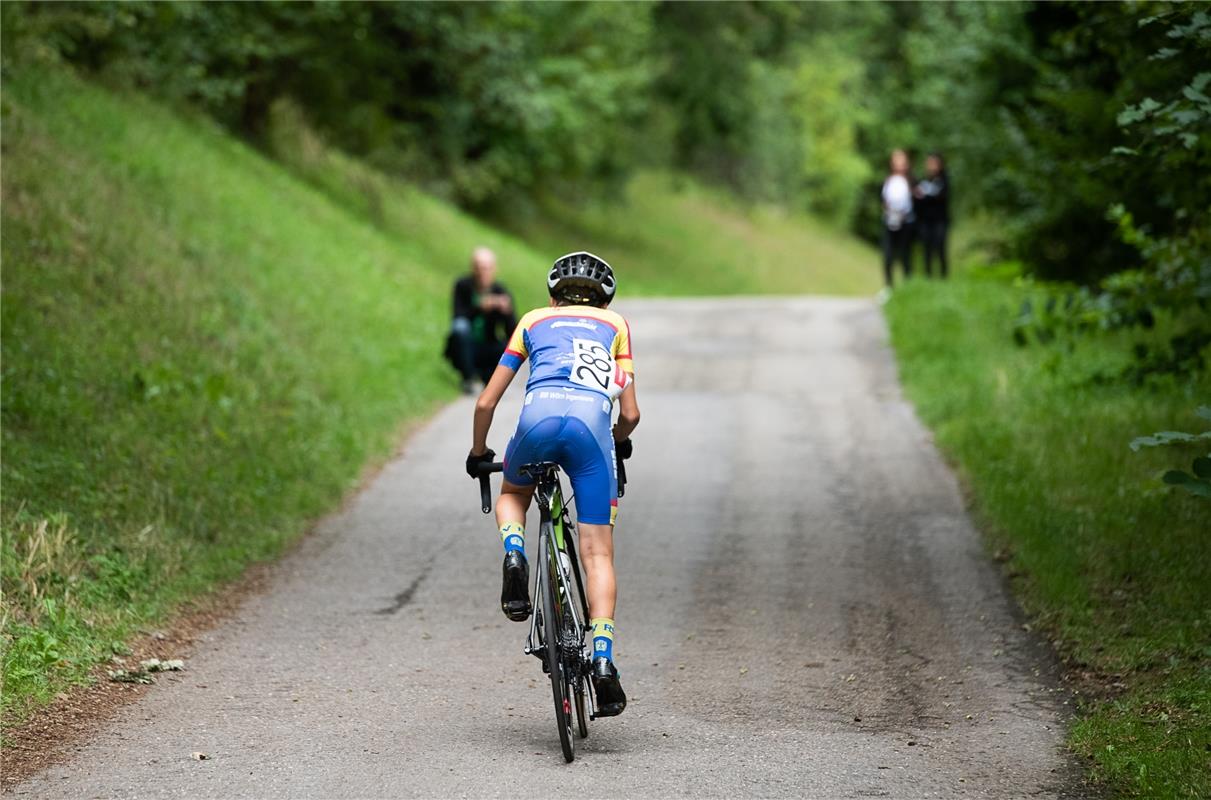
{"points": [[570, 426]]}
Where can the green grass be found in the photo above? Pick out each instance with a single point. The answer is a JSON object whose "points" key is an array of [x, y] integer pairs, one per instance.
{"points": [[1116, 567], [203, 348], [668, 235], [200, 354]]}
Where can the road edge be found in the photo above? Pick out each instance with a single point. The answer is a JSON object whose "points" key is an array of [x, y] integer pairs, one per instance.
{"points": [[53, 732]]}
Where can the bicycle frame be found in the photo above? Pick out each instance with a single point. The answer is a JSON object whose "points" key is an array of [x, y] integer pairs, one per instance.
{"points": [[557, 613], [557, 540]]}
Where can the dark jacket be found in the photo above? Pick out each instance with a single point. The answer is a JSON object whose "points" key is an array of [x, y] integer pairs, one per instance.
{"points": [[492, 327], [933, 203]]}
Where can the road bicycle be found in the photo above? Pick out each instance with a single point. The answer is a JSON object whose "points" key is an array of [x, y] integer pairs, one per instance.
{"points": [[560, 624]]}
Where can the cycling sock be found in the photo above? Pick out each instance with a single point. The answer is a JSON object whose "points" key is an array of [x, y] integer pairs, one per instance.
{"points": [[513, 536], [603, 637]]}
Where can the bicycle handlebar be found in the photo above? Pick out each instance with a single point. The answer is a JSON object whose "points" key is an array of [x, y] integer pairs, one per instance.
{"points": [[485, 486]]}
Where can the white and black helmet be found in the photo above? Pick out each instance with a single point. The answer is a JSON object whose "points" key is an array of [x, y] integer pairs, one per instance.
{"points": [[581, 274]]}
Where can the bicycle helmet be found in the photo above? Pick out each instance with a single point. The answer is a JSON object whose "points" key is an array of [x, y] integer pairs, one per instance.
{"points": [[581, 277]]}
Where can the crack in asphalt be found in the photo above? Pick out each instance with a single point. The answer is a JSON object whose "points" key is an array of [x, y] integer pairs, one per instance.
{"points": [[404, 597]]}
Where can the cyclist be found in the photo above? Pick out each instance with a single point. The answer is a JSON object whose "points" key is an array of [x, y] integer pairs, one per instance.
{"points": [[580, 361]]}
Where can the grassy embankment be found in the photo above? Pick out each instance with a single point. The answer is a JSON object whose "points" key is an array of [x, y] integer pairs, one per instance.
{"points": [[666, 235], [686, 239], [1116, 567], [200, 354], [202, 349]]}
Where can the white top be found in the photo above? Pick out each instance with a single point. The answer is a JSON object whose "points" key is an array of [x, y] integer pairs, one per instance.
{"points": [[897, 201]]}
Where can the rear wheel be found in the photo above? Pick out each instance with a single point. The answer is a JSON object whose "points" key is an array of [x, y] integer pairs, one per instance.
{"points": [[553, 623], [582, 710], [575, 638]]}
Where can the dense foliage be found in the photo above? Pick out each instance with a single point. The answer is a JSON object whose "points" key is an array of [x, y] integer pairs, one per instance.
{"points": [[1048, 114], [481, 98]]}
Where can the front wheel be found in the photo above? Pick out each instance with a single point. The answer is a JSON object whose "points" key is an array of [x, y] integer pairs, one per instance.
{"points": [[552, 620]]}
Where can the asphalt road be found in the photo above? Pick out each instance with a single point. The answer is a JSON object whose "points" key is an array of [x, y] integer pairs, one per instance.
{"points": [[805, 611]]}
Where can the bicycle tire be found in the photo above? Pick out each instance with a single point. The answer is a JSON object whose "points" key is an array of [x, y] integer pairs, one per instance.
{"points": [[582, 711], [552, 621], [579, 689]]}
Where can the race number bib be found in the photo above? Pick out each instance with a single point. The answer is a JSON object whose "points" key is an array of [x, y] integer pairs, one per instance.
{"points": [[592, 365]]}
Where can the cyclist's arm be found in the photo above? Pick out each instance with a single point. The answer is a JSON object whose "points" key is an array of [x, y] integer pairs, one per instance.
{"points": [[628, 406], [485, 407], [628, 413]]}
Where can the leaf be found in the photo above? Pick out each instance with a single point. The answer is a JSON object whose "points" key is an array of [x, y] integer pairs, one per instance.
{"points": [[156, 665], [1195, 95], [1186, 116], [1202, 466], [1175, 477], [1167, 437], [130, 676], [1127, 116], [1160, 439], [1199, 488]]}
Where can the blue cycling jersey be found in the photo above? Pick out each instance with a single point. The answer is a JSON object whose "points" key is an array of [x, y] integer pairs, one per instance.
{"points": [[580, 359], [583, 345]]}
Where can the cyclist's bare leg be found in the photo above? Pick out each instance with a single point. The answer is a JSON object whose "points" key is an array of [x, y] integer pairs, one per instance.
{"points": [[597, 557], [513, 504]]}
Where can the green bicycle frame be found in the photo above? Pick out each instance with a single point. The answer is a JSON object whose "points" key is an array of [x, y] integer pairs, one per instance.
{"points": [[556, 511]]}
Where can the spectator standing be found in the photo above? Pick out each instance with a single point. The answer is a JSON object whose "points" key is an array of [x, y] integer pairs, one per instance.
{"points": [[933, 212], [897, 217], [483, 321]]}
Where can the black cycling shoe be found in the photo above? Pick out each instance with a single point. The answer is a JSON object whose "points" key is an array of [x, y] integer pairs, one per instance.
{"points": [[514, 588], [611, 700]]}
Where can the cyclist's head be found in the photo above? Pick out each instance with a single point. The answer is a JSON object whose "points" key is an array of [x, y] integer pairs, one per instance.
{"points": [[581, 278]]}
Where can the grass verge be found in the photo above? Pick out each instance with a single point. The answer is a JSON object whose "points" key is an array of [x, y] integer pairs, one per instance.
{"points": [[200, 353], [1115, 566]]}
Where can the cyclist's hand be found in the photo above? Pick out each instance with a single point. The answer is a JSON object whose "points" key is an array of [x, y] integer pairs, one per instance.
{"points": [[624, 448], [473, 461]]}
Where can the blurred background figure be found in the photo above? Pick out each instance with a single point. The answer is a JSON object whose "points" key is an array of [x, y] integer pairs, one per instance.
{"points": [[483, 321], [932, 210], [897, 217]]}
